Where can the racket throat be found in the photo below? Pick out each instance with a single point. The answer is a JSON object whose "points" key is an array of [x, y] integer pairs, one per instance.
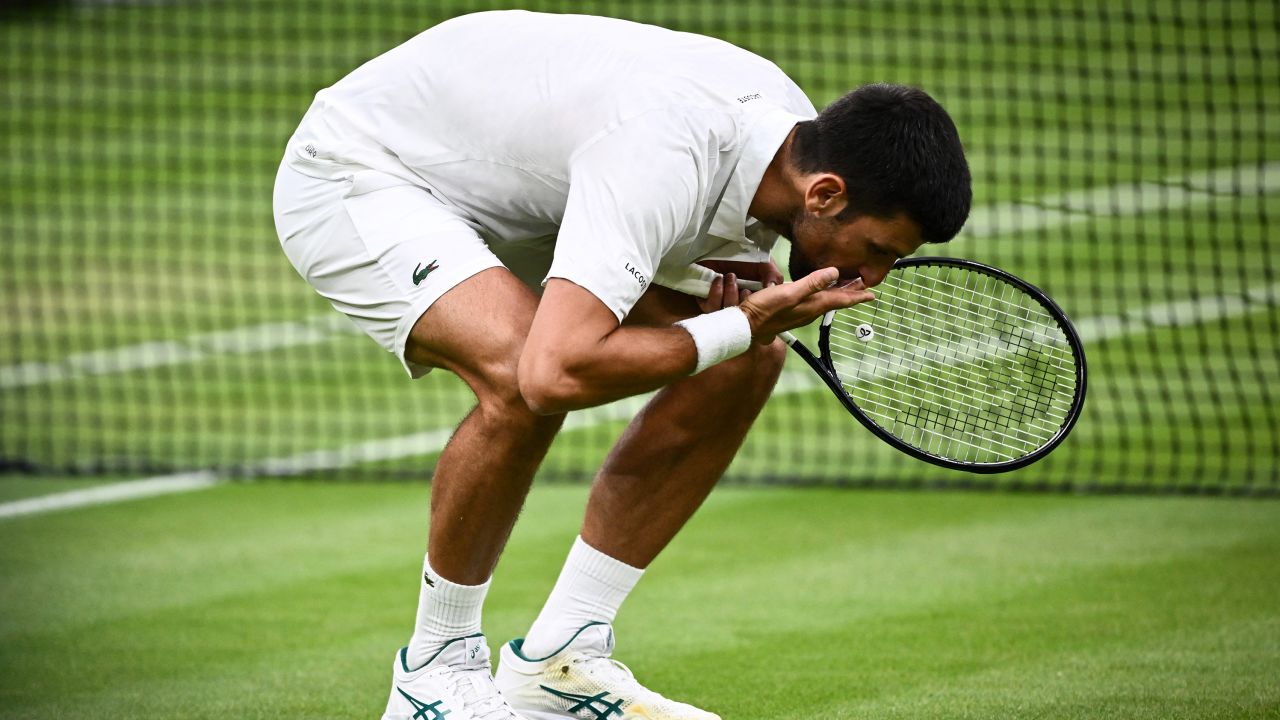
{"points": [[824, 341]]}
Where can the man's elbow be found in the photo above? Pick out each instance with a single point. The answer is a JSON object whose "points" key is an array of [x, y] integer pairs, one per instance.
{"points": [[549, 388]]}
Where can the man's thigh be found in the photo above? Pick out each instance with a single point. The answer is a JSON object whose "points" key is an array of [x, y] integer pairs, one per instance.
{"points": [[387, 256], [477, 330]]}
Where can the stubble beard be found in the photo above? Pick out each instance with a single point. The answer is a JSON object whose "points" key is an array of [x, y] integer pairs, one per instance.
{"points": [[798, 264]]}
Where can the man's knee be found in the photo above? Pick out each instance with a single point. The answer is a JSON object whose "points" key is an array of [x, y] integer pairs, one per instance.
{"points": [[769, 359], [501, 407], [752, 374], [762, 363], [497, 388]]}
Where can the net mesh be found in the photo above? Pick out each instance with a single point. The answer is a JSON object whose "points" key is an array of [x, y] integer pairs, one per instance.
{"points": [[1126, 159], [957, 363]]}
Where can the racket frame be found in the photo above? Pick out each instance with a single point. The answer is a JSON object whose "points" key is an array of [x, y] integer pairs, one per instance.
{"points": [[825, 369]]}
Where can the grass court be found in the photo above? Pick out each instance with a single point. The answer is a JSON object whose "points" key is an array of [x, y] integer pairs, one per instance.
{"points": [[287, 599]]}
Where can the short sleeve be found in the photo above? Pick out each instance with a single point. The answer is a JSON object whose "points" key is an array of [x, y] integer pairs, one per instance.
{"points": [[633, 195]]}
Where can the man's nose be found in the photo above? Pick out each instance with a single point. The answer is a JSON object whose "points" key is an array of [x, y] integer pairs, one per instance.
{"points": [[872, 276]]}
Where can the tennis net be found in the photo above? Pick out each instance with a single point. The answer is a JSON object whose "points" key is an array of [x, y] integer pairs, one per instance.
{"points": [[1126, 159]]}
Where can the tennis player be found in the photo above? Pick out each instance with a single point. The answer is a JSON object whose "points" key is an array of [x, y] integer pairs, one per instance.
{"points": [[558, 209]]}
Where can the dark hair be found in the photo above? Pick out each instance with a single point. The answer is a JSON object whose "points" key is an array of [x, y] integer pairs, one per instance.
{"points": [[897, 151]]}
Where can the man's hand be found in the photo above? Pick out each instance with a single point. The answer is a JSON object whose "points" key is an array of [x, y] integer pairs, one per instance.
{"points": [[765, 273], [724, 293], [724, 289], [795, 304]]}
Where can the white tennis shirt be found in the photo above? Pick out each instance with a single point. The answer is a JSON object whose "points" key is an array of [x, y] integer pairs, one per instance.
{"points": [[639, 149]]}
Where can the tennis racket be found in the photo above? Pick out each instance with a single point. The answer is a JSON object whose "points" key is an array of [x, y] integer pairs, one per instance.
{"points": [[956, 363]]}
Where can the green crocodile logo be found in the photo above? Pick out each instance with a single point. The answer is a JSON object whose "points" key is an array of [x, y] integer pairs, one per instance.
{"points": [[420, 273]]}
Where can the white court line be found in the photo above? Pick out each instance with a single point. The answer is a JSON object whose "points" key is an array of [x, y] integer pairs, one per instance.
{"points": [[194, 348], [1172, 314], [1123, 200], [423, 443], [1050, 211], [115, 492]]}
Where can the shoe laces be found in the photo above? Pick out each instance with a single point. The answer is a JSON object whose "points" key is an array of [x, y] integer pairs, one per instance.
{"points": [[480, 696]]}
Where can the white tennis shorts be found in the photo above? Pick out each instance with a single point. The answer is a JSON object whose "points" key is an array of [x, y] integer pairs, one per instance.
{"points": [[382, 251]]}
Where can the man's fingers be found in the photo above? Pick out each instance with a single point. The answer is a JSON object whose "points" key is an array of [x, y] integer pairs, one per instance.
{"points": [[825, 279], [814, 282], [834, 299], [730, 284], [715, 296], [791, 305], [821, 279]]}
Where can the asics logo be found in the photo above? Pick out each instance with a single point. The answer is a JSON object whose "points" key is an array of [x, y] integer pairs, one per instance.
{"points": [[587, 703], [424, 708]]}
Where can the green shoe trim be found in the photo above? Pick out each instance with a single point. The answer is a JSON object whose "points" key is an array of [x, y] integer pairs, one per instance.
{"points": [[517, 645], [404, 653]]}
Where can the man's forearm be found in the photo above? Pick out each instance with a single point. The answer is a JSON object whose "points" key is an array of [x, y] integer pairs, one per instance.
{"points": [[628, 361]]}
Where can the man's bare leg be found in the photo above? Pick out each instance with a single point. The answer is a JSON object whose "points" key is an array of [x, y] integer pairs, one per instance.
{"points": [[479, 486], [659, 473], [673, 453], [476, 330]]}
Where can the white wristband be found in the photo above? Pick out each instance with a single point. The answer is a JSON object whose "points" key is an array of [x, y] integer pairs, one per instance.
{"points": [[718, 336]]}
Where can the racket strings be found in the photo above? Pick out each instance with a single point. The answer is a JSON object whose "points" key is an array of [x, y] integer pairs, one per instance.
{"points": [[973, 344], [960, 364], [1053, 373], [957, 333], [1018, 442], [1033, 430], [957, 352], [955, 387], [962, 351]]}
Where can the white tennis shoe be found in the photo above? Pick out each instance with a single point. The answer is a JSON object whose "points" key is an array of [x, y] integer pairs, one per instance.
{"points": [[581, 682], [453, 685]]}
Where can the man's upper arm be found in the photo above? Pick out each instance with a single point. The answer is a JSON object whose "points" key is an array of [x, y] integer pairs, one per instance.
{"points": [[570, 322], [576, 355], [633, 195]]}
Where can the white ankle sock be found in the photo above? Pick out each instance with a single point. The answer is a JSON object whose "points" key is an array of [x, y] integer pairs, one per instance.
{"points": [[591, 588], [446, 611]]}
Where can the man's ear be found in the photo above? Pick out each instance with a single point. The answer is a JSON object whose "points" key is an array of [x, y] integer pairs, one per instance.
{"points": [[825, 195]]}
